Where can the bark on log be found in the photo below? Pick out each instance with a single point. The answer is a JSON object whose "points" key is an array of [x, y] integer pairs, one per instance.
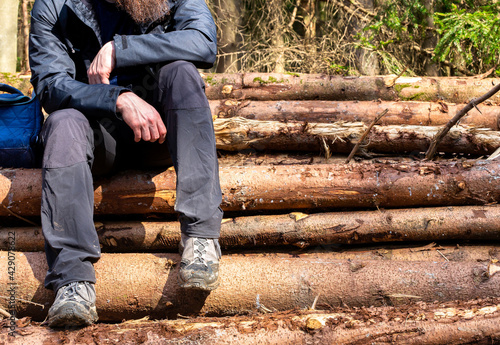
{"points": [[289, 187], [456, 323], [231, 159], [235, 134], [274, 86], [400, 113], [135, 285], [412, 252], [298, 229]]}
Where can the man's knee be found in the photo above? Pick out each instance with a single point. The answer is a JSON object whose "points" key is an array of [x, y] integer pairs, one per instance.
{"points": [[67, 139], [66, 120], [179, 71], [181, 86]]}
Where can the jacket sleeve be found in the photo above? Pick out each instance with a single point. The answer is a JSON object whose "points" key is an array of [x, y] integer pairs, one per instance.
{"points": [[53, 70], [193, 38]]}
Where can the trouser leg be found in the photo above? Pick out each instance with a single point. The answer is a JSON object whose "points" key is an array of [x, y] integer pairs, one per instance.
{"points": [[71, 242], [191, 142]]}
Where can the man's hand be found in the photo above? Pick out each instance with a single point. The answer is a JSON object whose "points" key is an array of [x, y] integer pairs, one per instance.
{"points": [[141, 117], [103, 64]]}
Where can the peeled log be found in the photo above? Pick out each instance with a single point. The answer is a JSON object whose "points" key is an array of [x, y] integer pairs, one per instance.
{"points": [[136, 285], [275, 86], [400, 113], [235, 134], [455, 323], [291, 187], [299, 229]]}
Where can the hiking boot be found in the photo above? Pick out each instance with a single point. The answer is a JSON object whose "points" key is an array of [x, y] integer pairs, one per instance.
{"points": [[74, 306], [200, 263]]}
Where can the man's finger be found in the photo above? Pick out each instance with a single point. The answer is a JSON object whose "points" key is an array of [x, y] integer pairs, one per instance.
{"points": [[162, 132], [146, 136], [153, 130], [137, 135], [162, 138]]}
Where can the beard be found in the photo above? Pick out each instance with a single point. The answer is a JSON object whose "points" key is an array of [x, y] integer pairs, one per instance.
{"points": [[145, 11]]}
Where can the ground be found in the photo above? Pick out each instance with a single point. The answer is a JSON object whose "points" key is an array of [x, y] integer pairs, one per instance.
{"points": [[472, 322]]}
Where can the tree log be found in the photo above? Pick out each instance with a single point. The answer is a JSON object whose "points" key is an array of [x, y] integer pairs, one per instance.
{"points": [[454, 323], [400, 113], [274, 86], [238, 133], [291, 187], [298, 229], [231, 159], [136, 285]]}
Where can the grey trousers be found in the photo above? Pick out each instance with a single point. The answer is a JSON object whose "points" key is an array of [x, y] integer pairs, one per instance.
{"points": [[77, 146]]}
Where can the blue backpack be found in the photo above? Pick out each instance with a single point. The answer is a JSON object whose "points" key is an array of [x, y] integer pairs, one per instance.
{"points": [[21, 120]]}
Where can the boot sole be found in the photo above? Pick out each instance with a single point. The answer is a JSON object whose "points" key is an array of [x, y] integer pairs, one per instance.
{"points": [[198, 284], [72, 314]]}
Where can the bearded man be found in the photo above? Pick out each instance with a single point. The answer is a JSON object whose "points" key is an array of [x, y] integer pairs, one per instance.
{"points": [[119, 78]]}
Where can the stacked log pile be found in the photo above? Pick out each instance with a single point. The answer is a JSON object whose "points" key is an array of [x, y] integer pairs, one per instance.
{"points": [[302, 228]]}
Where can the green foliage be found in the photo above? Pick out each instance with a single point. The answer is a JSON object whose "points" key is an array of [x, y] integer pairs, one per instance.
{"points": [[398, 26], [400, 20], [471, 37], [464, 33], [338, 69]]}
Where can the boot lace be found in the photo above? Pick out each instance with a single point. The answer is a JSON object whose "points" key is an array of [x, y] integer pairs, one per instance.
{"points": [[201, 245]]}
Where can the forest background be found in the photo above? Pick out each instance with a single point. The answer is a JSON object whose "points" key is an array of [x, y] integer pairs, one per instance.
{"points": [[341, 37]]}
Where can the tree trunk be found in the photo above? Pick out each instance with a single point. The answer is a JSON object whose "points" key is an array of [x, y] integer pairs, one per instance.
{"points": [[471, 322], [366, 59], [235, 134], [136, 285], [400, 112], [431, 39], [309, 14], [229, 20], [262, 86], [290, 187], [462, 223], [277, 34], [25, 27], [9, 10]]}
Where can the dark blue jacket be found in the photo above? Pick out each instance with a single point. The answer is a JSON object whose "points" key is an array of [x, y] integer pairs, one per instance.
{"points": [[65, 37]]}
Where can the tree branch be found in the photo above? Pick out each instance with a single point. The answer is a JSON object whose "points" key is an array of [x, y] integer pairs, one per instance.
{"points": [[362, 9], [351, 11], [442, 133], [294, 14], [356, 147]]}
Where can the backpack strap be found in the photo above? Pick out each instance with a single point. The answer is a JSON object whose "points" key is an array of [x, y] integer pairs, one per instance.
{"points": [[13, 95]]}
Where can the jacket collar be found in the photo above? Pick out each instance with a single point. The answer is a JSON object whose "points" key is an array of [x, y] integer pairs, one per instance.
{"points": [[84, 10]]}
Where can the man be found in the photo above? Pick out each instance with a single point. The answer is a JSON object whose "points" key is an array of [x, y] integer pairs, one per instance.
{"points": [[119, 78]]}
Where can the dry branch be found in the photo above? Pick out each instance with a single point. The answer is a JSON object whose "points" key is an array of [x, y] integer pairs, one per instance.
{"points": [[291, 187], [136, 285], [495, 154], [442, 133], [297, 229], [364, 135]]}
